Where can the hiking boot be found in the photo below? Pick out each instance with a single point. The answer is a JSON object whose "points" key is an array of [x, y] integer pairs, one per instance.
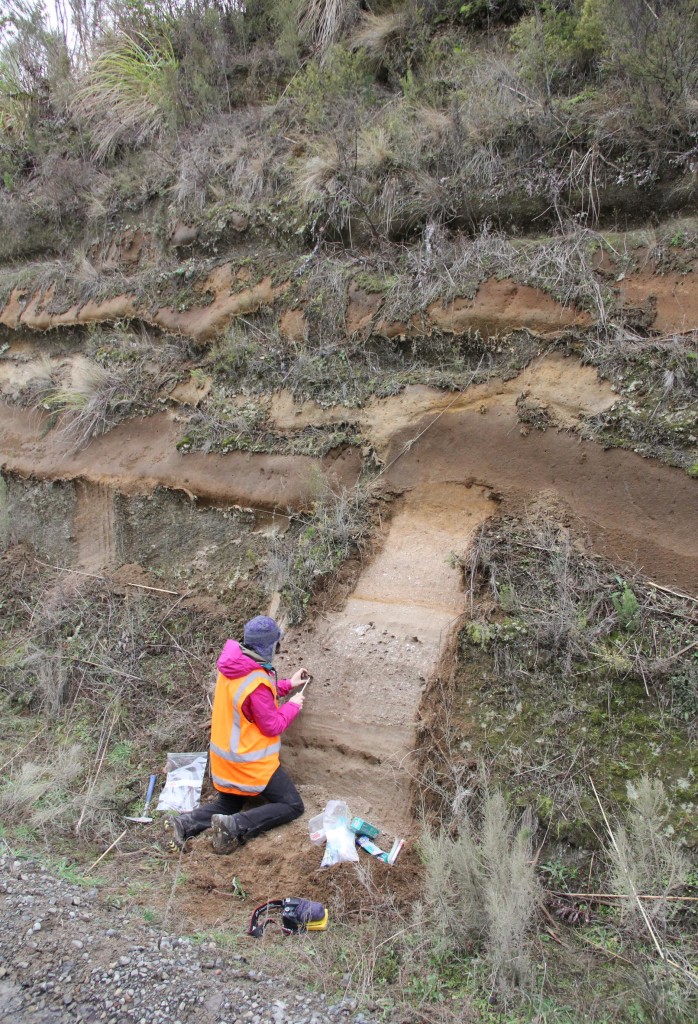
{"points": [[226, 836], [176, 829]]}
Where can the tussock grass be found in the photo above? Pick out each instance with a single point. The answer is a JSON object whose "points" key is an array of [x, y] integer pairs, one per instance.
{"points": [[126, 93], [93, 402], [377, 33], [322, 21], [317, 172]]}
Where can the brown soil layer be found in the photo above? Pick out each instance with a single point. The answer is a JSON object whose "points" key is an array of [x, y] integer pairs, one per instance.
{"points": [[139, 455], [634, 510], [498, 308], [676, 297]]}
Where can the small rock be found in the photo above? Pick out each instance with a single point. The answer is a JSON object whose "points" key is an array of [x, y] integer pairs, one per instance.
{"points": [[239, 222]]}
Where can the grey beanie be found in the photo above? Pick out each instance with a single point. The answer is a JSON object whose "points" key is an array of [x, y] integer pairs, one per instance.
{"points": [[262, 635]]}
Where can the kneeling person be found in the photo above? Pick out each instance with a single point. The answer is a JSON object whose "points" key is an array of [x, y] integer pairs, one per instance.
{"points": [[246, 727]]}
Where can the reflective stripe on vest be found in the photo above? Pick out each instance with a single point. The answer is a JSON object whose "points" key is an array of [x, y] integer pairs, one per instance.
{"points": [[218, 781], [249, 770], [255, 755]]}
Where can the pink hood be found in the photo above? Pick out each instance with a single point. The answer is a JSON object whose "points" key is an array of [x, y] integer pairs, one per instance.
{"points": [[233, 663]]}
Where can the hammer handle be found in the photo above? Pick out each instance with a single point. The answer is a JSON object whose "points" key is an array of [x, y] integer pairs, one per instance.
{"points": [[149, 794]]}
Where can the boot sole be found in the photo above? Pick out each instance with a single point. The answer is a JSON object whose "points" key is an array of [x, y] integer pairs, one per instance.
{"points": [[176, 840], [223, 842]]}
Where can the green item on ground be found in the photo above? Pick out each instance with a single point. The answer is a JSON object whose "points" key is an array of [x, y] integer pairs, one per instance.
{"points": [[364, 828]]}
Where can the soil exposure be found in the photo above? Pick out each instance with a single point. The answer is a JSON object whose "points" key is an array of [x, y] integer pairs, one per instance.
{"points": [[451, 461]]}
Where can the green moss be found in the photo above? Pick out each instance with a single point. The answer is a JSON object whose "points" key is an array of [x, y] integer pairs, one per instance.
{"points": [[375, 283], [551, 700]]}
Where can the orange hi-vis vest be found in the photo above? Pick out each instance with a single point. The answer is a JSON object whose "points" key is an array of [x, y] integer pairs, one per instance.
{"points": [[243, 759]]}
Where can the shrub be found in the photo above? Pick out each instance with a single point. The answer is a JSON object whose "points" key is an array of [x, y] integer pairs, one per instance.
{"points": [[643, 857], [626, 606], [324, 92], [480, 886], [34, 72], [478, 14], [654, 46], [547, 46]]}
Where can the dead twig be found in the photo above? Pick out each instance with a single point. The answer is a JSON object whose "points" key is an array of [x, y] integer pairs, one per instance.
{"points": [[674, 593], [108, 849], [620, 896], [94, 576]]}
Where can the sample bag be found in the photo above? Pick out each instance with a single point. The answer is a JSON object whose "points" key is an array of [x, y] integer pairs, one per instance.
{"points": [[185, 777], [332, 828]]}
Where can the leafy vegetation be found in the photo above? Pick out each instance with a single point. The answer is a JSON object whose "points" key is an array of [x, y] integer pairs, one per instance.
{"points": [[379, 122]]}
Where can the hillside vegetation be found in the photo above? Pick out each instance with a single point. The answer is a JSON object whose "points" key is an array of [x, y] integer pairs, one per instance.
{"points": [[308, 123], [276, 279]]}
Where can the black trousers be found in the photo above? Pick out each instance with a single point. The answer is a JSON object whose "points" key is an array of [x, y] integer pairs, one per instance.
{"points": [[284, 803]]}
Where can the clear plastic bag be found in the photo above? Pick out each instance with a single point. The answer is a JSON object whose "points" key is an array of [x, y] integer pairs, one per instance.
{"points": [[185, 777], [332, 828]]}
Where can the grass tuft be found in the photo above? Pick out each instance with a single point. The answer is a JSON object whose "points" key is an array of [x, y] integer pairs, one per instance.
{"points": [[126, 95]]}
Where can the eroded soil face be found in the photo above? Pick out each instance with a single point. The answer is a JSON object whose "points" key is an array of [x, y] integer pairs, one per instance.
{"points": [[130, 504], [453, 461]]}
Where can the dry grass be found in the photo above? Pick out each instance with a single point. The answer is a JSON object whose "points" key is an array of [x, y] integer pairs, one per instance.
{"points": [[377, 33], [126, 94], [572, 606], [644, 858], [480, 885], [91, 405], [322, 21], [320, 543], [112, 680], [441, 269], [316, 173]]}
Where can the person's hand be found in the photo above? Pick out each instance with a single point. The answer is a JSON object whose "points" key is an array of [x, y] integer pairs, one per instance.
{"points": [[298, 699], [300, 677]]}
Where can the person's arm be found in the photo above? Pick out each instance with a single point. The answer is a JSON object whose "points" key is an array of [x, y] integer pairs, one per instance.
{"points": [[270, 720], [283, 686]]}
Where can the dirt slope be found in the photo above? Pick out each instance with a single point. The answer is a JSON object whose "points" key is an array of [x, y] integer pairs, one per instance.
{"points": [[469, 458], [453, 460]]}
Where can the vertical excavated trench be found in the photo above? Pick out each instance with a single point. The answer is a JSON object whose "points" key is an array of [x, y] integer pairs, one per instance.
{"points": [[372, 658]]}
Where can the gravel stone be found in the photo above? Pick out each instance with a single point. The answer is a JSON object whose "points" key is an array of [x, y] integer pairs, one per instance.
{"points": [[132, 974]]}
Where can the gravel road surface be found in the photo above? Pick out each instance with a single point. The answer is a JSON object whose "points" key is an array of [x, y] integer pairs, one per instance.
{"points": [[66, 957]]}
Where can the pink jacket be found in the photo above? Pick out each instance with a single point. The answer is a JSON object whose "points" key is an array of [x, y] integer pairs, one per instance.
{"points": [[259, 706]]}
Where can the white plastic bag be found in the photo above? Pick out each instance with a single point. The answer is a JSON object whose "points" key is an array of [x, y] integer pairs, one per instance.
{"points": [[332, 827], [185, 776]]}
